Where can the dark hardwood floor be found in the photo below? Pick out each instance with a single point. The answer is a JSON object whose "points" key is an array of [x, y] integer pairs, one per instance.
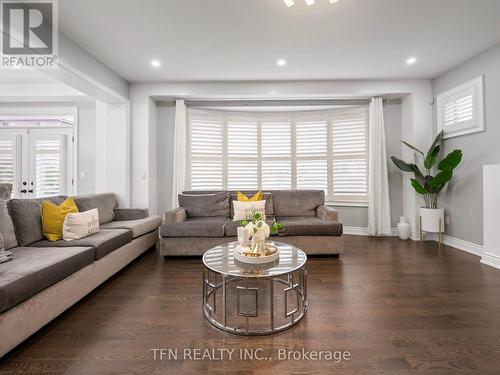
{"points": [[397, 307]]}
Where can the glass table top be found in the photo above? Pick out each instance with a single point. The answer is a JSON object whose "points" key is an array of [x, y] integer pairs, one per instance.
{"points": [[220, 259]]}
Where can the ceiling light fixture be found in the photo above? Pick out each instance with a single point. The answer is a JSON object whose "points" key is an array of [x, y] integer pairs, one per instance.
{"points": [[155, 63], [411, 60], [290, 3], [281, 62]]}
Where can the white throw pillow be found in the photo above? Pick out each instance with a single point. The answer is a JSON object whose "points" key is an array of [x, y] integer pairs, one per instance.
{"points": [[81, 224], [245, 210]]}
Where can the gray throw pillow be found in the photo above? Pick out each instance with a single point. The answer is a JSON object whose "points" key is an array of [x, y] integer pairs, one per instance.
{"points": [[205, 205], [6, 227]]}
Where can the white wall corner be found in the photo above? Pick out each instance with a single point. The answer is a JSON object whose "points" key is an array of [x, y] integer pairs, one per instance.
{"points": [[417, 129]]}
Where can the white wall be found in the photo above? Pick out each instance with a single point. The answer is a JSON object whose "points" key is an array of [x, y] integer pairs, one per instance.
{"points": [[464, 198], [86, 150]]}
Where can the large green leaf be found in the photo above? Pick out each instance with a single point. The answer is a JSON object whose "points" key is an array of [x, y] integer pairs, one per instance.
{"points": [[441, 178], [437, 142], [404, 166], [431, 157], [418, 175], [413, 148], [428, 186], [418, 188], [451, 161]]}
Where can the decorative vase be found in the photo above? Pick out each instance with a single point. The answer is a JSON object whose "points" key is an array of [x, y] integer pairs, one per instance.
{"points": [[258, 244], [403, 228], [432, 220]]}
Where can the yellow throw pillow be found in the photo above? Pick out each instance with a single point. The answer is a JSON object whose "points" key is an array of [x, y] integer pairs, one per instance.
{"points": [[53, 218], [243, 198]]}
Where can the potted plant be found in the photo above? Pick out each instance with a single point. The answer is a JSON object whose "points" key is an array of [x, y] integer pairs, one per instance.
{"points": [[429, 185]]}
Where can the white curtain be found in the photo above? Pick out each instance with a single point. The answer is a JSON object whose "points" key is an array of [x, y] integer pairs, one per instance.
{"points": [[179, 170], [379, 210]]}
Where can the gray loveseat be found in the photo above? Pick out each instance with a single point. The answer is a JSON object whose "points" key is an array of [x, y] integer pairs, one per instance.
{"points": [[45, 278], [203, 220]]}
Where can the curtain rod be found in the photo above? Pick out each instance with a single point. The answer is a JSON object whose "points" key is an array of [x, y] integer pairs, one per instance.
{"points": [[278, 103]]}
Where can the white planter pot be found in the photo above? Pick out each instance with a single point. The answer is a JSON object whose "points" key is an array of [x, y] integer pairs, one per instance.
{"points": [[431, 218], [404, 228]]}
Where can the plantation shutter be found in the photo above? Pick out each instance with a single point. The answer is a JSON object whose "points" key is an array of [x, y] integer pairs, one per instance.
{"points": [[206, 152], [311, 149], [459, 108], [326, 151], [349, 156], [8, 160], [242, 151], [276, 155], [49, 168]]}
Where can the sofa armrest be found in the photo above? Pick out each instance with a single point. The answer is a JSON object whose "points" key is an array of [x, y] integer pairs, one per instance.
{"points": [[177, 215], [123, 214], [327, 213]]}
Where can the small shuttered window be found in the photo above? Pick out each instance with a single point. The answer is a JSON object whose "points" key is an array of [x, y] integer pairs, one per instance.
{"points": [[326, 151], [460, 110]]}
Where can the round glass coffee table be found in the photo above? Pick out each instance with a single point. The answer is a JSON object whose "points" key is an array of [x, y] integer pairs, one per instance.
{"points": [[247, 299]]}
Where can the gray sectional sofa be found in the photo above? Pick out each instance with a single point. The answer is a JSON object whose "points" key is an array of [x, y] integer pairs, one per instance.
{"points": [[203, 220], [45, 278]]}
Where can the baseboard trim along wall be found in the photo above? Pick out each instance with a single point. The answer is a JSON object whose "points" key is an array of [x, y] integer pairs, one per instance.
{"points": [[363, 231], [491, 260], [457, 243]]}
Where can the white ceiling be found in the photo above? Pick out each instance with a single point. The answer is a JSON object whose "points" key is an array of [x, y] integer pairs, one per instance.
{"points": [[242, 39]]}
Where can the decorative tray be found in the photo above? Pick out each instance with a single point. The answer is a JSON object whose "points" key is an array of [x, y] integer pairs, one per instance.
{"points": [[244, 254]]}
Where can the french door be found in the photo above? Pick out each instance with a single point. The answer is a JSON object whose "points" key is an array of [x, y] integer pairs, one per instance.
{"points": [[38, 162]]}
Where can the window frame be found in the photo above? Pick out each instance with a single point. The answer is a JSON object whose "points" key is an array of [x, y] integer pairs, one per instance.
{"points": [[476, 124], [292, 118]]}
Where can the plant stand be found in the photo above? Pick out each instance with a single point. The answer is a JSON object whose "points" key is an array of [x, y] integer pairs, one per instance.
{"points": [[423, 234]]}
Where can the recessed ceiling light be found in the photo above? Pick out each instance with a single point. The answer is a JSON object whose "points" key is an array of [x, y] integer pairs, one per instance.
{"points": [[281, 62], [333, 1], [289, 3], [309, 2], [155, 63], [411, 60]]}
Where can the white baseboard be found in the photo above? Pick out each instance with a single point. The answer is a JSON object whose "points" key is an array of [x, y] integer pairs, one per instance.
{"points": [[363, 231], [457, 243], [490, 260]]}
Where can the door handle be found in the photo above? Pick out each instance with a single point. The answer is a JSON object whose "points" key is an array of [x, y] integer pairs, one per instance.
{"points": [[30, 191], [24, 191]]}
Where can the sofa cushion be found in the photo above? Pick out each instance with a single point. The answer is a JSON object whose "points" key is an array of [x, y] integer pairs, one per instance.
{"points": [[27, 219], [137, 227], [33, 269], [103, 242], [205, 205], [268, 197], [309, 226], [5, 191], [104, 202], [196, 227], [231, 227], [6, 227], [289, 203]]}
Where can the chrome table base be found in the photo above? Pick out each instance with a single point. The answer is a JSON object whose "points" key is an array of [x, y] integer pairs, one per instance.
{"points": [[265, 317]]}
